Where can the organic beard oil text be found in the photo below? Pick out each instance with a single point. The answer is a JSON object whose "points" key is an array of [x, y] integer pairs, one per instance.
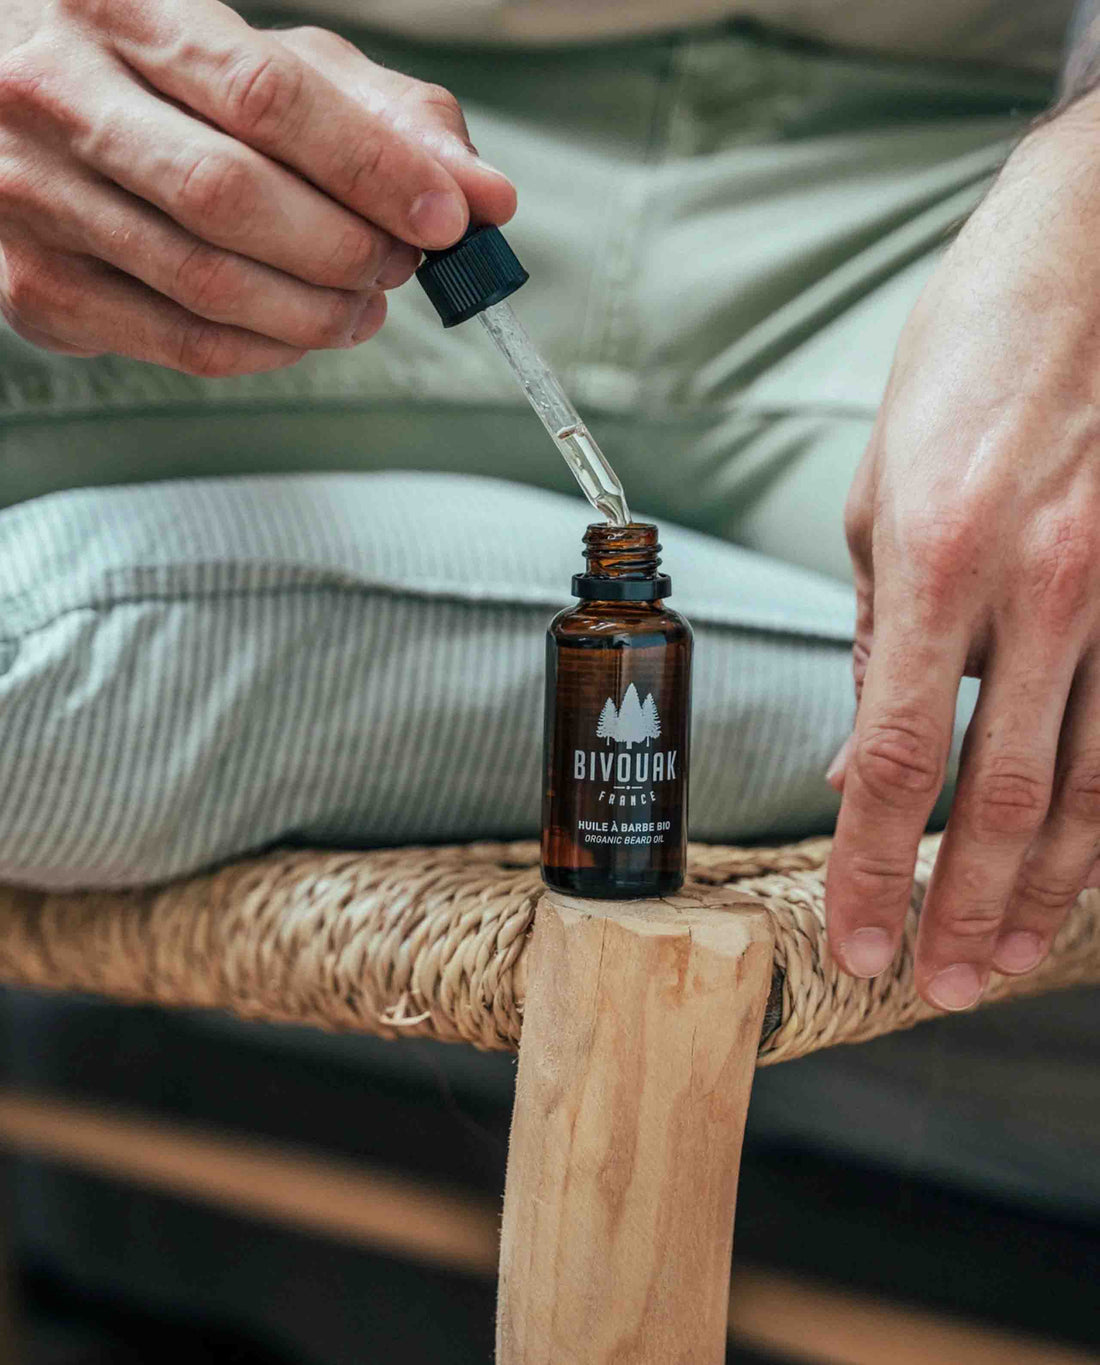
{"points": [[617, 726]]}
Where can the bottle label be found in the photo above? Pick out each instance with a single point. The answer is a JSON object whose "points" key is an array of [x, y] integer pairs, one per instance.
{"points": [[625, 781], [617, 784]]}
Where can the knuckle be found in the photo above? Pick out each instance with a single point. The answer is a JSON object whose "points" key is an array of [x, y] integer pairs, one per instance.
{"points": [[1047, 892], [858, 523], [879, 880], [972, 920], [437, 97], [20, 189], [1010, 799], [1080, 794], [1059, 568], [437, 100], [208, 281], [943, 554], [26, 83], [900, 759], [217, 189], [334, 324], [358, 168], [98, 13], [33, 294], [353, 260], [324, 40], [209, 351], [263, 95]]}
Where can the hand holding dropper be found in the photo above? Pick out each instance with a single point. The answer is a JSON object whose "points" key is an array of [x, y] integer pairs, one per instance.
{"points": [[473, 279]]}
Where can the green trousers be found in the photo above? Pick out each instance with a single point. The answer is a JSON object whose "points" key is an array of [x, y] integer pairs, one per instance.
{"points": [[725, 232]]}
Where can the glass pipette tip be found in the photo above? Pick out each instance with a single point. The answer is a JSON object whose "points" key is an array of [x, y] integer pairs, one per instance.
{"points": [[599, 482]]}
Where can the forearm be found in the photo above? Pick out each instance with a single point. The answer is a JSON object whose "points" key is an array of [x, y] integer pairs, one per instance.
{"points": [[1081, 72]]}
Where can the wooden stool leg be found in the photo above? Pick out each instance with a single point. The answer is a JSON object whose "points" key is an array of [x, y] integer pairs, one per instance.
{"points": [[640, 1034]]}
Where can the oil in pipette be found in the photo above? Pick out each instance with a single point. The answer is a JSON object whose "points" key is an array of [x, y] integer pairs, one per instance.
{"points": [[582, 455]]}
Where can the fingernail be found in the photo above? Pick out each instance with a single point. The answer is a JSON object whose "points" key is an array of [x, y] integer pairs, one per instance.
{"points": [[956, 988], [439, 217], [834, 773], [1018, 952], [370, 319], [398, 266], [867, 952]]}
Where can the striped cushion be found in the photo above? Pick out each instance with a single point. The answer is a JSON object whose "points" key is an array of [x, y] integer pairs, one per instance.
{"points": [[193, 669]]}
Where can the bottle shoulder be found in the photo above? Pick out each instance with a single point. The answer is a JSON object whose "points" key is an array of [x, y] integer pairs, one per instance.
{"points": [[604, 622]]}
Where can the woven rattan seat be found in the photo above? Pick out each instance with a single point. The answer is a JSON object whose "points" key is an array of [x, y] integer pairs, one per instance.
{"points": [[430, 942], [641, 1026]]}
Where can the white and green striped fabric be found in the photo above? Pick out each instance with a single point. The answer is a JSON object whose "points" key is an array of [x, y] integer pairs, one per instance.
{"points": [[193, 669], [189, 670]]}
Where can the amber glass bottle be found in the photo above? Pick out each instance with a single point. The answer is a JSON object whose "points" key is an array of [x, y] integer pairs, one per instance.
{"points": [[617, 728]]}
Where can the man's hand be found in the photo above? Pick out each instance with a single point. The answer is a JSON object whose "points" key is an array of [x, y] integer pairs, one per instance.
{"points": [[974, 526], [179, 187]]}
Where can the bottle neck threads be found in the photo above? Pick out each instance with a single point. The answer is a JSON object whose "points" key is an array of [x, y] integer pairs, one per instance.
{"points": [[622, 564]]}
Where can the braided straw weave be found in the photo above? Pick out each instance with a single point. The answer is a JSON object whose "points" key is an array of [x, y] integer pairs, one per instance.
{"points": [[429, 942]]}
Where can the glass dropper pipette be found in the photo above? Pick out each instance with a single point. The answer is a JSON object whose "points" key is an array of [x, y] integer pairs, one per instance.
{"points": [[599, 482], [473, 279]]}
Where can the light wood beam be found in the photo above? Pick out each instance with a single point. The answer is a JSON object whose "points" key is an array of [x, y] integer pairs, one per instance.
{"points": [[639, 1043]]}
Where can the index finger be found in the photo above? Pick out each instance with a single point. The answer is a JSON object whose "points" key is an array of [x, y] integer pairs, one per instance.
{"points": [[259, 91], [898, 761]]}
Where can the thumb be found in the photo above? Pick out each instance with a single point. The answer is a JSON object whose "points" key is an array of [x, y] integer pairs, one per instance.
{"points": [[431, 115]]}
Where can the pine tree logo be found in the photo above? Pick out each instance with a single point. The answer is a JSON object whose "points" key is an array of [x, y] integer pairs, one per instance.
{"points": [[634, 722], [608, 721], [650, 719]]}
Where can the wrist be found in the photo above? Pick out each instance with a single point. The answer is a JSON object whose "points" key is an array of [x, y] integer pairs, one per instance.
{"points": [[1039, 217]]}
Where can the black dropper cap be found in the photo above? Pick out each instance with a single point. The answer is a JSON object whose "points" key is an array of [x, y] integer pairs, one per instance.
{"points": [[470, 276]]}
